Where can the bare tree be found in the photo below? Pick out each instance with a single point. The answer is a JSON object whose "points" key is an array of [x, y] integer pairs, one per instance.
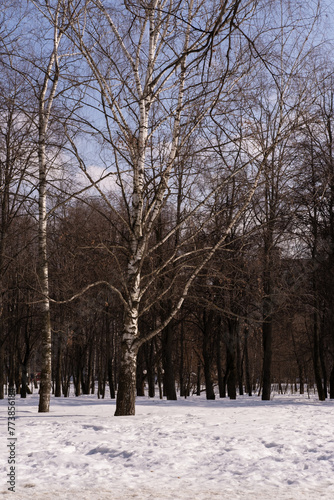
{"points": [[42, 72], [277, 117], [16, 154], [152, 64]]}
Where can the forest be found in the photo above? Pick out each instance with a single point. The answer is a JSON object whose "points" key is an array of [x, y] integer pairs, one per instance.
{"points": [[166, 198]]}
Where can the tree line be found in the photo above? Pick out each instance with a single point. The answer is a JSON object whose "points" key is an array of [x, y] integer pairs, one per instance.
{"points": [[167, 198]]}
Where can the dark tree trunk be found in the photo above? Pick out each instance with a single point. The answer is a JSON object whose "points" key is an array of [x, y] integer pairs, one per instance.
{"points": [[331, 384], [66, 376], [299, 364], [90, 378], [140, 375], [267, 301], [24, 381], [301, 378], [231, 362], [221, 384], [17, 379], [110, 351], [323, 364], [66, 387], [77, 382], [159, 377], [207, 323], [231, 373], [101, 384], [316, 359], [111, 378], [198, 388], [58, 370], [247, 370], [267, 359], [167, 363], [239, 365], [181, 366], [150, 365], [11, 374]]}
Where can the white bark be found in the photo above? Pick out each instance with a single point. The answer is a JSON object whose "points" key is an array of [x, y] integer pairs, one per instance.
{"points": [[45, 105]]}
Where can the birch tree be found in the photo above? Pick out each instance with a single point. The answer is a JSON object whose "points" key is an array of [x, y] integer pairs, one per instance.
{"points": [[155, 66], [42, 73], [46, 97]]}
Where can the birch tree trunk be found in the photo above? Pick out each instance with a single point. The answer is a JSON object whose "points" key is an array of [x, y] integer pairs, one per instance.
{"points": [[126, 394], [46, 98], [45, 385]]}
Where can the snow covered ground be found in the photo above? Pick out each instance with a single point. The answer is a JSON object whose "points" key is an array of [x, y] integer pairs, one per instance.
{"points": [[189, 449]]}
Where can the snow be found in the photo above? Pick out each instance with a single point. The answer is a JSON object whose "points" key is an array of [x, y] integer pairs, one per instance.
{"points": [[187, 449]]}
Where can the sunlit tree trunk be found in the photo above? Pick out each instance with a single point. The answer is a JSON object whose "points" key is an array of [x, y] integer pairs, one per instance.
{"points": [[45, 385], [46, 98]]}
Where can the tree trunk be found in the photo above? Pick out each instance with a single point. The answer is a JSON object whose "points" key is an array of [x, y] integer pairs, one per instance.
{"points": [[221, 384], [66, 386], [45, 386], [231, 372], [160, 383], [210, 393], [101, 384], [58, 370], [111, 377], [267, 326], [140, 375], [323, 364], [181, 364], [167, 363], [198, 389], [126, 393], [11, 372], [316, 359], [331, 384], [239, 364], [110, 354], [301, 378], [17, 378], [247, 371], [267, 359], [24, 381], [231, 363], [149, 357], [77, 381]]}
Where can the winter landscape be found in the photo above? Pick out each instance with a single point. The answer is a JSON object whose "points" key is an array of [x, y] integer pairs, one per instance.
{"points": [[246, 449], [166, 230]]}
